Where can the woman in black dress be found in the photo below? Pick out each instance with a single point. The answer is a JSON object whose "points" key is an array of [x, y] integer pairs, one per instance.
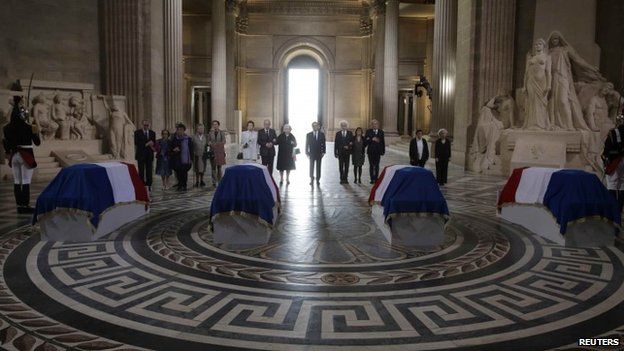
{"points": [[286, 155], [358, 154], [442, 156]]}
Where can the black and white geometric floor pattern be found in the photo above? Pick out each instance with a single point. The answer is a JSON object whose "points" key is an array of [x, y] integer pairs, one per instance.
{"points": [[161, 283]]}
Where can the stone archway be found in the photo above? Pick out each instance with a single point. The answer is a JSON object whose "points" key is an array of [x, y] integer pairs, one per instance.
{"points": [[325, 58]]}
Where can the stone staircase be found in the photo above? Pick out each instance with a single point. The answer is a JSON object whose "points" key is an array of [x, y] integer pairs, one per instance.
{"points": [[48, 167]]}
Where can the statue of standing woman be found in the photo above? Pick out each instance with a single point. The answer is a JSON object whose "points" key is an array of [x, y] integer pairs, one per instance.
{"points": [[565, 108], [537, 80], [120, 129]]}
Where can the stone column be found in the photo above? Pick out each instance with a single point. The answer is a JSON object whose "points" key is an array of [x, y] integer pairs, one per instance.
{"points": [[496, 48], [232, 12], [391, 68], [406, 106], [378, 22], [218, 84], [123, 29], [173, 68], [484, 56], [443, 80]]}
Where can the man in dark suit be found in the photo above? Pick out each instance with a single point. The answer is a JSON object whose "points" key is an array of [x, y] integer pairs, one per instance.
{"points": [[343, 143], [315, 149], [418, 150], [144, 140], [267, 138], [375, 148]]}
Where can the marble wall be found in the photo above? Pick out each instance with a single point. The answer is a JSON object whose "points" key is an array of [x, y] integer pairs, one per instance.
{"points": [[575, 19], [57, 40], [343, 51]]}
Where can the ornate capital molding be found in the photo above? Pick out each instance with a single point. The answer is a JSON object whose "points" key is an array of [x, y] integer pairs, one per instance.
{"points": [[233, 6], [366, 23], [305, 7], [377, 8]]}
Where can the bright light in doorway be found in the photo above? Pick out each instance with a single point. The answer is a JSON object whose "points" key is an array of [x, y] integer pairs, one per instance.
{"points": [[303, 84]]}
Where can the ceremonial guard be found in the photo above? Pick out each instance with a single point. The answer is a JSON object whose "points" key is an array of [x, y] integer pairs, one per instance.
{"points": [[19, 137]]}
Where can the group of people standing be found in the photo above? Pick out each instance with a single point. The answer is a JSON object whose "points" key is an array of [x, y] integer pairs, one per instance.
{"points": [[350, 148], [179, 153]]}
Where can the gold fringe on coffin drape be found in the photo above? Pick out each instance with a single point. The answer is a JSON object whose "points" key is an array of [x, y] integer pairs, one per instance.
{"points": [[417, 214], [576, 221], [87, 214], [244, 215]]}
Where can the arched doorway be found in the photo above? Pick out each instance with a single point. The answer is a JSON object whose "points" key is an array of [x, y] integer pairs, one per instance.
{"points": [[304, 53], [303, 103]]}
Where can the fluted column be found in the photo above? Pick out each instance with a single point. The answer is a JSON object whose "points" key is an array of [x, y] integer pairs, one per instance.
{"points": [[391, 67], [484, 56], [218, 85], [444, 50], [496, 48], [173, 69], [230, 43], [377, 15], [123, 50]]}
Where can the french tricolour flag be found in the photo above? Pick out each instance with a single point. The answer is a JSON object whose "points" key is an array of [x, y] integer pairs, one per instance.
{"points": [[92, 188]]}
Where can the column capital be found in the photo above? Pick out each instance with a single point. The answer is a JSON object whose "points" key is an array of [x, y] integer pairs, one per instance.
{"points": [[366, 23], [377, 8], [242, 19], [233, 7]]}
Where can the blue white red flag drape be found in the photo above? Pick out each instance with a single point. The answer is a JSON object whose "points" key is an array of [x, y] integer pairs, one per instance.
{"points": [[569, 194], [92, 188], [403, 189], [247, 189]]}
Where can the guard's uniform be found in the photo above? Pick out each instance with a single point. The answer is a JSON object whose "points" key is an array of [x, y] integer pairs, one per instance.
{"points": [[18, 142], [613, 155]]}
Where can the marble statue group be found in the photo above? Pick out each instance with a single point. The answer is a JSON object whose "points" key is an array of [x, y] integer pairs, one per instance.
{"points": [[561, 93]]}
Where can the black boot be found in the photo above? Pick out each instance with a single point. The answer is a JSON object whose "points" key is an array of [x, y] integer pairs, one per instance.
{"points": [[26, 199], [17, 192]]}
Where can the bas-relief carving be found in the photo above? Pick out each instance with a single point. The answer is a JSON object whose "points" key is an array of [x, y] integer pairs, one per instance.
{"points": [[561, 93], [68, 111]]}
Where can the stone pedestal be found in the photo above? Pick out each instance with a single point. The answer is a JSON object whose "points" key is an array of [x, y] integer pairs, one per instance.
{"points": [[520, 148]]}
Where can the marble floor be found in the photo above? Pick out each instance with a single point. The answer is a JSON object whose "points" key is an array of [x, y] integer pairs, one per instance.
{"points": [[327, 280]]}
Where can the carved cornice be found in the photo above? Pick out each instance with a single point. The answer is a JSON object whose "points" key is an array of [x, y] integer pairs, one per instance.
{"points": [[366, 23], [377, 8], [305, 7], [242, 21]]}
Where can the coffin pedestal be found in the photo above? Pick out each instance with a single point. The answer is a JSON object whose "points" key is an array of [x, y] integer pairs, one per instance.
{"points": [[233, 229], [410, 230], [586, 233], [72, 226]]}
